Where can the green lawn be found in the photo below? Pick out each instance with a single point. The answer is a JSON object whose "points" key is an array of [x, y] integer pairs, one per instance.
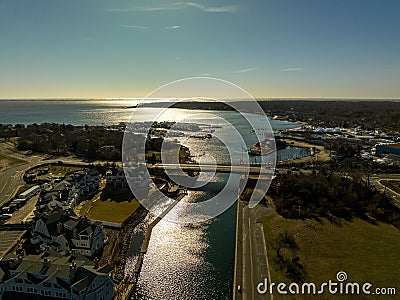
{"points": [[366, 252], [11, 161], [60, 170], [392, 184], [107, 208]]}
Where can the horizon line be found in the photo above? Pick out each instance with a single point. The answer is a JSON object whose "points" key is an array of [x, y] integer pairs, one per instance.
{"points": [[143, 98]]}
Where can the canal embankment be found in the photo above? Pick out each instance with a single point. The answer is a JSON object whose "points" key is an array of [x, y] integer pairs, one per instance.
{"points": [[130, 287]]}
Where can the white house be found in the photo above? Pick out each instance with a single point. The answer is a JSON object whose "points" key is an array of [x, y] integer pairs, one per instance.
{"points": [[83, 182], [66, 233], [69, 191], [135, 176], [57, 277]]}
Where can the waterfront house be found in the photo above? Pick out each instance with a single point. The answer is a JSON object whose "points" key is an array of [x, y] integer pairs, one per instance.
{"points": [[133, 177], [54, 277], [69, 191], [83, 183], [66, 233], [115, 178]]}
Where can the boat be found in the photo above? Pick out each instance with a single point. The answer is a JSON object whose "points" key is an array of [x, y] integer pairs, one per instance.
{"points": [[253, 151], [266, 147], [202, 136]]}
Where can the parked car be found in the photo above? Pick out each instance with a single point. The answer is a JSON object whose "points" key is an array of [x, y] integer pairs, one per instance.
{"points": [[5, 209], [5, 216], [13, 207]]}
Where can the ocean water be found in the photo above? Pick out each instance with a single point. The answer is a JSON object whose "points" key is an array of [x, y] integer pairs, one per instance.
{"points": [[90, 112], [75, 112], [113, 112]]}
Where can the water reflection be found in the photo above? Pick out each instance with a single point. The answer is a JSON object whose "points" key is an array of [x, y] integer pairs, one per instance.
{"points": [[194, 261], [291, 152], [181, 264]]}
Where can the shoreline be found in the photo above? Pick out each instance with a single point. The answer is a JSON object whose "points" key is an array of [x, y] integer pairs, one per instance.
{"points": [[321, 155], [235, 279]]}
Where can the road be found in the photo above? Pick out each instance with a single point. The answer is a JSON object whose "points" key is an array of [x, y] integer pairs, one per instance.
{"points": [[238, 169], [10, 181], [251, 265], [376, 179], [11, 178]]}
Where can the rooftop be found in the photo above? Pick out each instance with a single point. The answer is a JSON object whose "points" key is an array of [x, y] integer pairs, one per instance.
{"points": [[394, 146], [38, 268]]}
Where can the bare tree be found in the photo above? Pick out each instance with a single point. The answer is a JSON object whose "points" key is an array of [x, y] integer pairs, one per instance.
{"points": [[283, 240]]}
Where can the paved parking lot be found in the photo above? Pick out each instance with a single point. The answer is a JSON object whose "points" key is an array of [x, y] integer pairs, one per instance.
{"points": [[24, 213]]}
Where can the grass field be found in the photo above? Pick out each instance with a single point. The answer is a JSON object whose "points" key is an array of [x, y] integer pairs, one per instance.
{"points": [[392, 184], [110, 207], [8, 161], [60, 170], [366, 252]]}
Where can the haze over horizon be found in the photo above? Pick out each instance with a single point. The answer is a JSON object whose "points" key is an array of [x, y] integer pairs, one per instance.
{"points": [[272, 49]]}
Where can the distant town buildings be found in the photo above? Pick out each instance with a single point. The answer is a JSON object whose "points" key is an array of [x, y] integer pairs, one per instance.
{"points": [[382, 149], [343, 134]]}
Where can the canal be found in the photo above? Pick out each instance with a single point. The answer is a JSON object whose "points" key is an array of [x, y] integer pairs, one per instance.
{"points": [[194, 261]]}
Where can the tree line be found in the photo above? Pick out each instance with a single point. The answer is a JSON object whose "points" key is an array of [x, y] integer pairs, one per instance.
{"points": [[92, 142], [330, 195]]}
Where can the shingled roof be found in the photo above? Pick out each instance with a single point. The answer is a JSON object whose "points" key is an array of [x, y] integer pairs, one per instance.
{"points": [[57, 269]]}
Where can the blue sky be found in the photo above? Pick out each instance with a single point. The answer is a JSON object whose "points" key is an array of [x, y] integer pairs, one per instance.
{"points": [[271, 48]]}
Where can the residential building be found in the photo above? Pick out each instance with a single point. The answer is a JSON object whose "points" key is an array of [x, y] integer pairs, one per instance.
{"points": [[69, 191], [66, 233], [135, 176], [54, 278], [115, 178], [83, 183]]}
